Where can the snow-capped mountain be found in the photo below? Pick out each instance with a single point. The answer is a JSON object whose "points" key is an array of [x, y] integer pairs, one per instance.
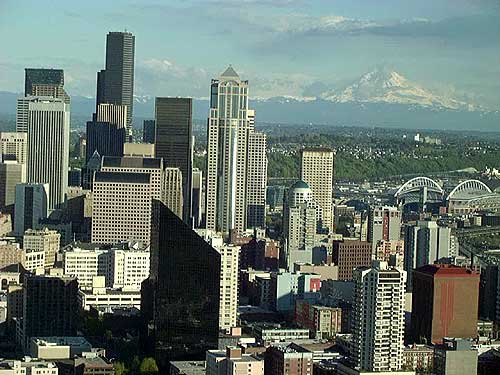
{"points": [[385, 86]]}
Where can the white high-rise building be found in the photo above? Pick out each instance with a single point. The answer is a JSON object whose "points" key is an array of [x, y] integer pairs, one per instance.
{"points": [[316, 169], [13, 146], [229, 297], [121, 207], [48, 146], [379, 312], [299, 224], [122, 266], [256, 179], [228, 128]]}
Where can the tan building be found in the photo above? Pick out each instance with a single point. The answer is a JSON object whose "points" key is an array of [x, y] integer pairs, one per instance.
{"points": [[172, 190], [391, 251], [10, 253], [113, 113], [5, 224], [316, 169], [228, 311], [141, 150], [44, 240], [126, 164], [13, 146], [291, 360], [324, 322], [326, 271], [232, 362], [418, 357], [121, 207]]}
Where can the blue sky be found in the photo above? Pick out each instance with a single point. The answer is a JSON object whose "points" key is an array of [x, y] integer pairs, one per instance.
{"points": [[284, 47]]}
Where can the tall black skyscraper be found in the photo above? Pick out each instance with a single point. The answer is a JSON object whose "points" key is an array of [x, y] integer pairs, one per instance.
{"points": [[180, 300], [174, 142], [115, 84]]}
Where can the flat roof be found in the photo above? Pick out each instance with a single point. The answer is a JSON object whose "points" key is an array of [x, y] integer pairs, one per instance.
{"points": [[123, 177], [130, 162]]}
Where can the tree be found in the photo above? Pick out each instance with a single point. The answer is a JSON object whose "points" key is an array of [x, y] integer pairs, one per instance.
{"points": [[148, 366], [120, 369]]}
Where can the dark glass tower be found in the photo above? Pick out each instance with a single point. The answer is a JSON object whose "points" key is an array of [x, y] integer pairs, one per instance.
{"points": [[148, 131], [105, 138], [115, 84], [174, 142], [180, 300], [34, 76]]}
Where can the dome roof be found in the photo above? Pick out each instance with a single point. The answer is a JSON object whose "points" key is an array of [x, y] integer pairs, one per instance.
{"points": [[299, 185]]}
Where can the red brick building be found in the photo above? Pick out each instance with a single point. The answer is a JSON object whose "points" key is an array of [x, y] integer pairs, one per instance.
{"points": [[349, 254], [445, 303]]}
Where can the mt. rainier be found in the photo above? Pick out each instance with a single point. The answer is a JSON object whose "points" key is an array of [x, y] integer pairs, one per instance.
{"points": [[385, 86]]}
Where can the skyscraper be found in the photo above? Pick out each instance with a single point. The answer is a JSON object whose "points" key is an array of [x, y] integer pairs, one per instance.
{"points": [[229, 272], [115, 85], [316, 169], [197, 197], [48, 147], [172, 191], [45, 82], [105, 139], [11, 174], [174, 142], [256, 179], [31, 206], [228, 128], [181, 297], [378, 335], [445, 303]]}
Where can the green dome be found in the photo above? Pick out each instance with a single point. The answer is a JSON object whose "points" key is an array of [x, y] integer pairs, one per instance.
{"points": [[300, 185]]}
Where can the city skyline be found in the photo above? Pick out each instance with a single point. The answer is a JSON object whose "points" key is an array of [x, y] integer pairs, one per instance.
{"points": [[275, 56]]}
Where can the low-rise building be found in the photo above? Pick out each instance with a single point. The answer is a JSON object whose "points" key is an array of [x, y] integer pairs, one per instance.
{"points": [[418, 357], [455, 357], [323, 321], [187, 368], [232, 361], [106, 299], [58, 347], [288, 359], [28, 367], [274, 335]]}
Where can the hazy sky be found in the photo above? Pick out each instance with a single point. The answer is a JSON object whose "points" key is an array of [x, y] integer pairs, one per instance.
{"points": [[284, 47]]}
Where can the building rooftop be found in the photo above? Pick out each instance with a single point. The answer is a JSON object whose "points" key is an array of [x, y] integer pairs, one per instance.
{"points": [[122, 177], [130, 162], [230, 73], [446, 269], [300, 185], [61, 341]]}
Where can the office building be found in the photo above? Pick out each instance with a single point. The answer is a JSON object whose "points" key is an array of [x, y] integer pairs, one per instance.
{"points": [[127, 164], [48, 147], [121, 207], [181, 298], [115, 84], [31, 206], [384, 223], [45, 82], [229, 298], [11, 174], [439, 306], [232, 361], [299, 224], [197, 197], [418, 356], [5, 224], [106, 300], [93, 165], [256, 180], [455, 357], [104, 138], [174, 142], [316, 169], [287, 287], [28, 366], [288, 359], [350, 254], [148, 131], [123, 266], [10, 253], [50, 307], [13, 146], [44, 240], [227, 153], [58, 347], [172, 191], [379, 312], [324, 322], [392, 252], [425, 243]]}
